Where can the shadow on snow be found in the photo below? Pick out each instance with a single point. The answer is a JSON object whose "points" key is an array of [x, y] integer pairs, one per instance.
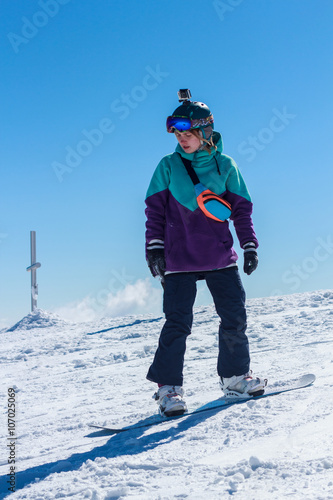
{"points": [[116, 446]]}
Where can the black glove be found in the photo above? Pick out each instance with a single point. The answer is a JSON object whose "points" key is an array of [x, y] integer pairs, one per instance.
{"points": [[250, 258], [156, 261]]}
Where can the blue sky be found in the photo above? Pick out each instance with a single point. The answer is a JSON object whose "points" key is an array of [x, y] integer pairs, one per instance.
{"points": [[86, 87]]}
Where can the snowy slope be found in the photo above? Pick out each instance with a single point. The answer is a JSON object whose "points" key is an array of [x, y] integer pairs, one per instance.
{"points": [[68, 375]]}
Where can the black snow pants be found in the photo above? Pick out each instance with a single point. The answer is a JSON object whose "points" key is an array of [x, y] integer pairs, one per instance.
{"points": [[179, 295]]}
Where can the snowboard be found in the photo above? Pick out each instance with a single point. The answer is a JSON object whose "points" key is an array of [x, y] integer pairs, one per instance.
{"points": [[221, 403]]}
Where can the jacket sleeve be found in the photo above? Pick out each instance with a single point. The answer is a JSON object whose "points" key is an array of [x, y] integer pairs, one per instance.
{"points": [[240, 200], [156, 200]]}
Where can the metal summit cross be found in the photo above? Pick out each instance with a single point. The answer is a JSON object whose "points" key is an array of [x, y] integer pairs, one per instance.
{"points": [[33, 269]]}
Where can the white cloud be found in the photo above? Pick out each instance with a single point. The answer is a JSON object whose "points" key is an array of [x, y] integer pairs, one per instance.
{"points": [[136, 298]]}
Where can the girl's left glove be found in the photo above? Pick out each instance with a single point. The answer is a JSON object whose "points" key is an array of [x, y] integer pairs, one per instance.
{"points": [[250, 258], [156, 261]]}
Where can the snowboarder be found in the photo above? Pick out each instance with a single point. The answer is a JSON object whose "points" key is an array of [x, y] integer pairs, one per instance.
{"points": [[187, 239]]}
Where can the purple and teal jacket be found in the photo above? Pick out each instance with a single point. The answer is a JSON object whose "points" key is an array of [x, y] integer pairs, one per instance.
{"points": [[191, 240]]}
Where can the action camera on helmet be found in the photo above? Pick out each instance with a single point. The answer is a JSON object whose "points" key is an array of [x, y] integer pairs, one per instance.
{"points": [[184, 95]]}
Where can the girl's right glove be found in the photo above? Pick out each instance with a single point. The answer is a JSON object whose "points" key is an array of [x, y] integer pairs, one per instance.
{"points": [[250, 258], [156, 261]]}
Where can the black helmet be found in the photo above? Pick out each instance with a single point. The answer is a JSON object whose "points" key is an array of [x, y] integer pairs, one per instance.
{"points": [[189, 115]]}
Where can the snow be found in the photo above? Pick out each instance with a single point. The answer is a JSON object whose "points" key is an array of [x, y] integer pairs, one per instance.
{"points": [[69, 375]]}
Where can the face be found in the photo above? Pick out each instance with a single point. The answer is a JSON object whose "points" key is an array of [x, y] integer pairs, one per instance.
{"points": [[188, 141]]}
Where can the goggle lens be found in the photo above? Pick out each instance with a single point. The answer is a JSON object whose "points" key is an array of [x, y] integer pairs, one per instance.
{"points": [[181, 123]]}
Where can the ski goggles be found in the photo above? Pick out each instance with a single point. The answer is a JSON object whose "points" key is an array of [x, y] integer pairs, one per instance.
{"points": [[183, 123]]}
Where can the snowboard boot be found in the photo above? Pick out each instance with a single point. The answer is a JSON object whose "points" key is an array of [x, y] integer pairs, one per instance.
{"points": [[170, 400], [243, 386]]}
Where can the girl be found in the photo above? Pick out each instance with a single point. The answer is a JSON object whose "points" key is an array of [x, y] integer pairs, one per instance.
{"points": [[186, 242]]}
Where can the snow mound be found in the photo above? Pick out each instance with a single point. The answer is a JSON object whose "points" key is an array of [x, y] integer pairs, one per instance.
{"points": [[37, 319]]}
